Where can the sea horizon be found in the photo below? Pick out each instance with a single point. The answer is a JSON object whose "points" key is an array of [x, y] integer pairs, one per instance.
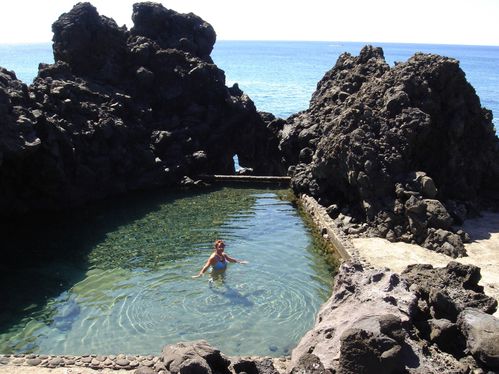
{"points": [[280, 76], [298, 41]]}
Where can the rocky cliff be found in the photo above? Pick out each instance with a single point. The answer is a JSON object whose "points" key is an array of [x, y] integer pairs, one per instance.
{"points": [[121, 110], [407, 150]]}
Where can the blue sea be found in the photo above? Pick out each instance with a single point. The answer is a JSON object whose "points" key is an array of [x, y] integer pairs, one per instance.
{"points": [[280, 77]]}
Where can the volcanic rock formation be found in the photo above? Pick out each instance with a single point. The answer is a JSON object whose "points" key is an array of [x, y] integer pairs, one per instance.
{"points": [[408, 149], [381, 322], [123, 110]]}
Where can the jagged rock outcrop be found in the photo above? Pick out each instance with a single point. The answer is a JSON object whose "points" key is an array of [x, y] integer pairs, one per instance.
{"points": [[407, 149], [171, 30], [381, 322], [200, 357], [123, 110]]}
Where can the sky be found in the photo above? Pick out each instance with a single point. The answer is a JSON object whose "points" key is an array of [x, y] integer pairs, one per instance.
{"points": [[423, 21]]}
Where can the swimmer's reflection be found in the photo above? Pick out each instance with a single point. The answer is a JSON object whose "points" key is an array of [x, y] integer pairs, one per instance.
{"points": [[220, 286]]}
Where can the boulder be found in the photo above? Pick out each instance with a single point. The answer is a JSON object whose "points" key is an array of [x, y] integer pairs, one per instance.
{"points": [[363, 351], [482, 336], [254, 365], [446, 335], [194, 357], [446, 292]]}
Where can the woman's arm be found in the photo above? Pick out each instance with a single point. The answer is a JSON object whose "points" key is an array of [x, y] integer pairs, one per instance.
{"points": [[204, 268], [231, 259]]}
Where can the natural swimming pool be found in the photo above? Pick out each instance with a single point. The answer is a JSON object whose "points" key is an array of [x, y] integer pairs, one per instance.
{"points": [[116, 278]]}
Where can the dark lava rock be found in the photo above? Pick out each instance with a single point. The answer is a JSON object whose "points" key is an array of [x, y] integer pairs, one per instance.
{"points": [[194, 357], [91, 44], [254, 366], [445, 292], [395, 145], [171, 30], [125, 110], [363, 351], [309, 363]]}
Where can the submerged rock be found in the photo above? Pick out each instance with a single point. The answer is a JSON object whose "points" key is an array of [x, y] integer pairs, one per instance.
{"points": [[396, 146]]}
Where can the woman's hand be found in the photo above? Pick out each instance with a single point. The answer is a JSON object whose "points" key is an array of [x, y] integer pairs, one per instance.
{"points": [[197, 275], [243, 262]]}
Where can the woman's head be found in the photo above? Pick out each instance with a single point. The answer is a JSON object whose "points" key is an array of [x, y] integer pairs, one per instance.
{"points": [[219, 245]]}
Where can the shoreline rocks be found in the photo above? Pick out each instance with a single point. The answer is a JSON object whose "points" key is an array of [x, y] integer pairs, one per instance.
{"points": [[378, 321]]}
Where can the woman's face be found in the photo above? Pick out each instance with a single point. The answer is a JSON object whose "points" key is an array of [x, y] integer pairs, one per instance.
{"points": [[220, 247]]}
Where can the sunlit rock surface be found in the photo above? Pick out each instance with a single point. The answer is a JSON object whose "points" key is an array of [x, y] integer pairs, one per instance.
{"points": [[406, 149]]}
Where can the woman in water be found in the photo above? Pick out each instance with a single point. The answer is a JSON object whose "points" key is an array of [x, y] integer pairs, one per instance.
{"points": [[218, 259]]}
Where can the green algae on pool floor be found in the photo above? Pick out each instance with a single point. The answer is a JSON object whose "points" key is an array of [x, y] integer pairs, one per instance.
{"points": [[117, 279]]}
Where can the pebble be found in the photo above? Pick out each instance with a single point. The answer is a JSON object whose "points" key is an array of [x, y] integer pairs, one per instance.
{"points": [[4, 360], [152, 363], [56, 361], [144, 370], [34, 361], [122, 362]]}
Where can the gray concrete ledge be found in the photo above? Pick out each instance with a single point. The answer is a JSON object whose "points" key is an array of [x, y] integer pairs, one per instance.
{"points": [[245, 178], [328, 228]]}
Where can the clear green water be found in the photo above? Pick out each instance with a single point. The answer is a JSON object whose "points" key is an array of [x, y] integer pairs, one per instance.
{"points": [[117, 278]]}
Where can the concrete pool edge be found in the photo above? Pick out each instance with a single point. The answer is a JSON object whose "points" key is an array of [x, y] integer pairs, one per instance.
{"points": [[118, 364]]}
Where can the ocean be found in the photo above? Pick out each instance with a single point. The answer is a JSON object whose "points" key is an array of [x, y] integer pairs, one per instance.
{"points": [[280, 77]]}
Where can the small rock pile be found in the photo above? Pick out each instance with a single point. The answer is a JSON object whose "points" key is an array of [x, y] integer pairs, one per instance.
{"points": [[407, 150], [121, 361]]}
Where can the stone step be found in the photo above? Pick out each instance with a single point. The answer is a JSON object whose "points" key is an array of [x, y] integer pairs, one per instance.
{"points": [[245, 178]]}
